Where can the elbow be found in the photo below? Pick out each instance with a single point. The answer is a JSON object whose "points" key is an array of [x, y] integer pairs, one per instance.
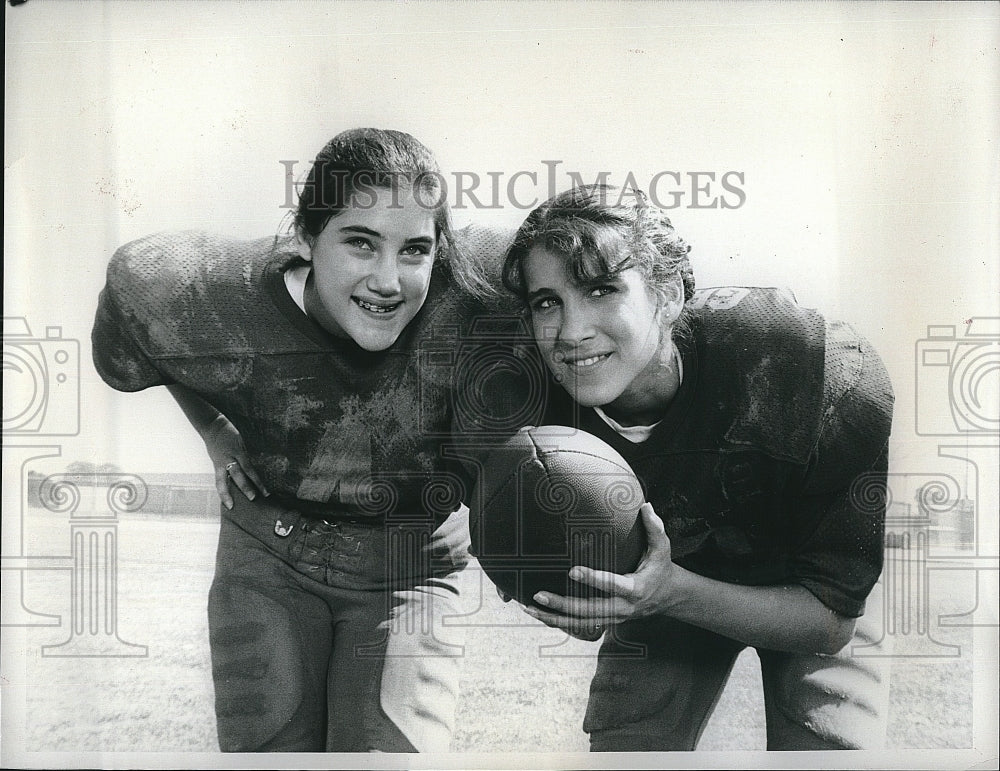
{"points": [[825, 631], [836, 633]]}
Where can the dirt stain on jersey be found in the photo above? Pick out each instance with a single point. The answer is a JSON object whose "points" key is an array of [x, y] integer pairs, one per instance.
{"points": [[379, 425]]}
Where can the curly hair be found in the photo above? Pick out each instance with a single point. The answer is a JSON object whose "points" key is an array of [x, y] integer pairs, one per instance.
{"points": [[602, 230]]}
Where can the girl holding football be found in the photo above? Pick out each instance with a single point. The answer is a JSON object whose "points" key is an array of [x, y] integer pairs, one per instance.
{"points": [[297, 360], [759, 431]]}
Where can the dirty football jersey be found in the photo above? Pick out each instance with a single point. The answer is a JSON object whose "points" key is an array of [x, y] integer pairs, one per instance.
{"points": [[335, 429], [769, 464]]}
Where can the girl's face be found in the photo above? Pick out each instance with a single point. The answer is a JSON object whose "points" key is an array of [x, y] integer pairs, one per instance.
{"points": [[602, 339], [371, 267]]}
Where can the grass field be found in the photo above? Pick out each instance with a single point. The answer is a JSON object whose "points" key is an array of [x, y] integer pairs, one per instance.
{"points": [[513, 698]]}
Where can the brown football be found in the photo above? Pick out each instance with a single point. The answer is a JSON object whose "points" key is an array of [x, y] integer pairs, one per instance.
{"points": [[549, 498]]}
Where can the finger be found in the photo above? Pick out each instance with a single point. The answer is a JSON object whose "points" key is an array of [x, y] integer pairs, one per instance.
{"points": [[584, 629], [549, 619], [503, 595], [656, 535], [222, 487], [592, 610], [251, 472], [621, 585], [241, 480]]}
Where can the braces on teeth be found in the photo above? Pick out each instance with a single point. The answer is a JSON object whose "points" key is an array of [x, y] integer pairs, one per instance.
{"points": [[376, 308]]}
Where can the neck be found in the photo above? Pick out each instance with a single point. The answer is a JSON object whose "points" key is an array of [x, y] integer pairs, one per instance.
{"points": [[315, 310], [647, 399]]}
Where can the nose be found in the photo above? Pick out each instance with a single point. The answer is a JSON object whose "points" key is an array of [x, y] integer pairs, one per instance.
{"points": [[574, 326], [384, 278]]}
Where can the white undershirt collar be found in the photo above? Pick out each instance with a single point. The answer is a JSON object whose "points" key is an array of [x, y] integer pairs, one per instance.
{"points": [[295, 282], [637, 434]]}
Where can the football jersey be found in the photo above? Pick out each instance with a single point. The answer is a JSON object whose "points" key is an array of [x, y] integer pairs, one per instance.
{"points": [[769, 464], [335, 429]]}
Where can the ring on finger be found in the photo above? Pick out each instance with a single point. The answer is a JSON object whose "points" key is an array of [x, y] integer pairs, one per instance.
{"points": [[231, 465]]}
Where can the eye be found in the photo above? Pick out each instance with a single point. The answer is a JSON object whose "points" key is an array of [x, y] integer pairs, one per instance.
{"points": [[602, 289], [544, 304], [415, 253], [360, 243]]}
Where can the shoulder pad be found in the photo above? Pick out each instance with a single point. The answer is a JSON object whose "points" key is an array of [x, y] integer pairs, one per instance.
{"points": [[762, 355], [174, 287]]}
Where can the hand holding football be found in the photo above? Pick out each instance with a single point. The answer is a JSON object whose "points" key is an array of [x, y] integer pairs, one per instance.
{"points": [[549, 498]]}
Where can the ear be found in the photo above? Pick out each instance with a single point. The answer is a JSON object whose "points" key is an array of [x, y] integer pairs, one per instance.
{"points": [[301, 245], [671, 300]]}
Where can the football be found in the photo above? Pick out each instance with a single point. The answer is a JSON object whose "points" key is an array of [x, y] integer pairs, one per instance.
{"points": [[549, 498]]}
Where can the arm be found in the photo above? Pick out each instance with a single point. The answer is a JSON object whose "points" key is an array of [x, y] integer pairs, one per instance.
{"points": [[122, 343], [786, 617], [223, 443], [837, 536]]}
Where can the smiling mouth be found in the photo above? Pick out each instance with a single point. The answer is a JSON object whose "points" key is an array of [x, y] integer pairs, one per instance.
{"points": [[583, 364], [378, 308]]}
